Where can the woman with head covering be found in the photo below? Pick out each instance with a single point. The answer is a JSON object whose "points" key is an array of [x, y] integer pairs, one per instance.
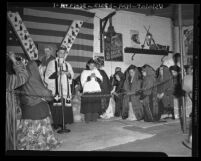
{"points": [[149, 94], [35, 131], [90, 100], [118, 97], [105, 85], [178, 92], [131, 102], [165, 89]]}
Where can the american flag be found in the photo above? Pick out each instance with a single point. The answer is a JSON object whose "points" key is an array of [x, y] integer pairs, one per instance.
{"points": [[49, 26]]}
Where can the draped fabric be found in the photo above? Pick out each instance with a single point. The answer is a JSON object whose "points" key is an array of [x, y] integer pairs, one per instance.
{"points": [[119, 89], [165, 85], [150, 104], [12, 82], [36, 135], [48, 25], [134, 86], [165, 81], [34, 86], [105, 89]]}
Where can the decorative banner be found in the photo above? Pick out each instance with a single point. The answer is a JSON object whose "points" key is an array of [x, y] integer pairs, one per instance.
{"points": [[135, 39], [113, 48], [188, 44], [71, 35], [23, 35]]}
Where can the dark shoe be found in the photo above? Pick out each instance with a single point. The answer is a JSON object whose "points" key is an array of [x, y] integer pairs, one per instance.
{"points": [[68, 130], [55, 127], [160, 121], [124, 117], [117, 114], [61, 131]]}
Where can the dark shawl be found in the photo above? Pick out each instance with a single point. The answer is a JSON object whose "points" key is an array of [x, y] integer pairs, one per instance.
{"points": [[105, 84], [149, 80], [33, 107], [149, 92], [133, 88], [177, 81], [165, 82], [136, 83], [165, 85], [45, 62], [119, 84], [34, 86]]}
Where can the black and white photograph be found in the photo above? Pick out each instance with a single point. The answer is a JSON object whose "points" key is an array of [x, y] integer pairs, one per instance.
{"points": [[102, 77]]}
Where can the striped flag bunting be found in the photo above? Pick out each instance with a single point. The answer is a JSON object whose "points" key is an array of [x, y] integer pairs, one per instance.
{"points": [[49, 26]]}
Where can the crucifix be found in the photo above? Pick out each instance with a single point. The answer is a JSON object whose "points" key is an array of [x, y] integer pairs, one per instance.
{"points": [[149, 39]]}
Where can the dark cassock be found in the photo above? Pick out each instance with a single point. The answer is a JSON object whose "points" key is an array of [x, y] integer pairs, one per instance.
{"points": [[60, 84], [105, 89]]}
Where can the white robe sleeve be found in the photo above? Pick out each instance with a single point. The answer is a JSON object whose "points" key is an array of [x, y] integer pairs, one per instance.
{"points": [[84, 76]]}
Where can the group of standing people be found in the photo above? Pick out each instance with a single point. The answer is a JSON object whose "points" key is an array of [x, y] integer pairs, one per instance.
{"points": [[150, 93], [34, 131], [140, 93]]}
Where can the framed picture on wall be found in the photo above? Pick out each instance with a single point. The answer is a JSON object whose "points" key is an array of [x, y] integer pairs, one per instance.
{"points": [[42, 46], [113, 48], [135, 39]]}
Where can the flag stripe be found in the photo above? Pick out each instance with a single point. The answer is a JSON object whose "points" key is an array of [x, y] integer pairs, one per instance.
{"points": [[58, 33], [66, 10], [55, 39], [76, 53], [55, 15], [76, 64], [77, 58], [75, 46], [76, 75], [83, 48], [78, 70], [55, 21], [54, 27], [49, 26]]}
